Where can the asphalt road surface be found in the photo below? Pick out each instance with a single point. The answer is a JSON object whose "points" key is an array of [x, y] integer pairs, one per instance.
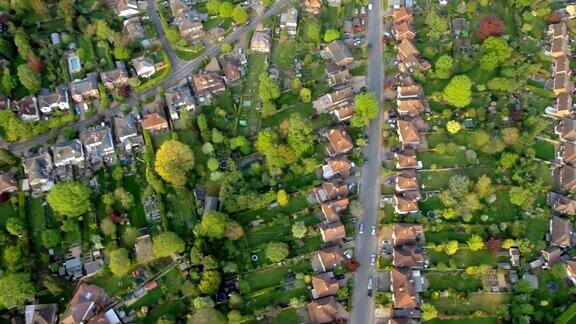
{"points": [[362, 305], [180, 72]]}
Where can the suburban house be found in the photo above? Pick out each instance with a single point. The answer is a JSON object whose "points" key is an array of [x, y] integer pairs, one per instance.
{"points": [[8, 183], [566, 129], [112, 79], [189, 29], [412, 107], [567, 178], [337, 74], [561, 203], [562, 84], [231, 69], [337, 167], [324, 310], [551, 255], [312, 6], [85, 89], [324, 284], [178, 99], [407, 234], [571, 270], [41, 314], [403, 31], [327, 259], [410, 256], [99, 146], [125, 8], [54, 100], [560, 232], [330, 191], [408, 56], [331, 210], [339, 141], [562, 107], [566, 153], [133, 29], [39, 172], [289, 21], [206, 85], [406, 49], [27, 109], [337, 52], [154, 117], [407, 180], [560, 47], [127, 133], [402, 15], [143, 66], [260, 41], [407, 159], [333, 232], [409, 92], [561, 66], [334, 3], [408, 133], [404, 288], [559, 30], [87, 301], [68, 155], [328, 101], [407, 202], [179, 7]]}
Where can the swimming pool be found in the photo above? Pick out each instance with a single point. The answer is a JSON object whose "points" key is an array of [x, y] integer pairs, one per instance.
{"points": [[74, 64]]}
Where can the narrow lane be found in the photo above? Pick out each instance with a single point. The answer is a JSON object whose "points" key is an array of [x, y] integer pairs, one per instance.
{"points": [[362, 305]]}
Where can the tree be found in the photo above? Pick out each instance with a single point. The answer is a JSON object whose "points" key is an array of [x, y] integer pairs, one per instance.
{"points": [[299, 230], [54, 286], [493, 244], [459, 185], [234, 231], [276, 251], [239, 15], [12, 257], [66, 7], [209, 282], [121, 52], [7, 84], [510, 135], [356, 208], [313, 32], [22, 43], [300, 134], [213, 7], [305, 95], [490, 25], [282, 197], [124, 197], [6, 48], [130, 236], [203, 302], [459, 91], [267, 88], [212, 164], [103, 31], [119, 262], [451, 247], [483, 187], [496, 52], [268, 109], [365, 109], [507, 243], [50, 238], [234, 317], [41, 8], [167, 243], [208, 316], [240, 142], [15, 226], [108, 227], [213, 224], [15, 289], [453, 127], [523, 286], [29, 78], [70, 199], [508, 160], [520, 196], [444, 66], [173, 161], [226, 9], [331, 35], [437, 26], [476, 242], [429, 312], [69, 132]]}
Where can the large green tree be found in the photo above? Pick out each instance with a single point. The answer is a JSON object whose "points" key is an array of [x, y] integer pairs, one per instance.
{"points": [[365, 109], [276, 251], [300, 134], [119, 262], [15, 289], [167, 243], [70, 199], [267, 88], [213, 224], [210, 281], [459, 91], [29, 78], [173, 161], [496, 52], [239, 15]]}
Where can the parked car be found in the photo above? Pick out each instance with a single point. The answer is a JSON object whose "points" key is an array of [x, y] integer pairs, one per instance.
{"points": [[373, 259], [373, 231], [369, 7], [361, 229], [370, 287]]}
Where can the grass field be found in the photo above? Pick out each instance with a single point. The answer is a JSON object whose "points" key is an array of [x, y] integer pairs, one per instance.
{"points": [[435, 180]]}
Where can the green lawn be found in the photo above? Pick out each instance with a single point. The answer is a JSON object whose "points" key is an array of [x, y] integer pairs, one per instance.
{"points": [[287, 316], [249, 117], [432, 203], [103, 53], [284, 54], [569, 316], [295, 204], [86, 50], [137, 215], [473, 320], [431, 158], [436, 180], [446, 235], [216, 21], [7, 210], [465, 257], [456, 280], [274, 297], [274, 275], [536, 230], [489, 302]]}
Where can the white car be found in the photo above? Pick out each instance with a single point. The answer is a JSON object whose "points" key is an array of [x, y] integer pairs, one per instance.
{"points": [[373, 231], [369, 7], [373, 259], [361, 229]]}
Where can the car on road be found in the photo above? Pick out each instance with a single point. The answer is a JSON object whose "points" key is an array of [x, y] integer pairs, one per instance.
{"points": [[373, 231], [373, 259], [361, 229], [369, 7], [370, 46], [370, 287], [365, 160]]}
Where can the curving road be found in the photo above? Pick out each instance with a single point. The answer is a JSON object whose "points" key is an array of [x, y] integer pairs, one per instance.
{"points": [[362, 305], [180, 71]]}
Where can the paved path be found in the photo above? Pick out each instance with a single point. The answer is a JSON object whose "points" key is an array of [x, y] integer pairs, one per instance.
{"points": [[157, 22], [362, 305], [178, 74]]}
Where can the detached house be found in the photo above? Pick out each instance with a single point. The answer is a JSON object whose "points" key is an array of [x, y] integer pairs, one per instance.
{"points": [[154, 118], [87, 302], [327, 259], [566, 129], [324, 310], [337, 167], [337, 52], [410, 256], [39, 170], [41, 314], [260, 41], [407, 202], [330, 100], [403, 31], [402, 15], [407, 180], [409, 91], [27, 109], [337, 74], [407, 159], [68, 155], [408, 134], [566, 153], [339, 141], [134, 30], [126, 8], [562, 204], [8, 183], [312, 6], [289, 21], [113, 79], [331, 210], [206, 85], [560, 232], [85, 89], [191, 30], [404, 290], [99, 146], [407, 234], [179, 99], [324, 284], [333, 232], [567, 178], [330, 191], [143, 66], [54, 100], [412, 107], [231, 70], [127, 133], [408, 56]]}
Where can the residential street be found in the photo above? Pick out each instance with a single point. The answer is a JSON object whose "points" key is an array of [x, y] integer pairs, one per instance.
{"points": [[177, 76], [362, 305], [155, 19]]}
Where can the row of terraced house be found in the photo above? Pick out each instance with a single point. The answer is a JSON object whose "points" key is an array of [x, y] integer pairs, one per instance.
{"points": [[409, 256]]}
